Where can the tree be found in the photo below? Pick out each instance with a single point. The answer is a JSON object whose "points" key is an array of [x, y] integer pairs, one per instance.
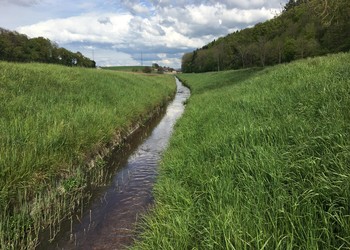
{"points": [[219, 55], [18, 47], [293, 3], [333, 15], [277, 47], [330, 11], [289, 49], [160, 70], [155, 65], [305, 28], [186, 63], [147, 69]]}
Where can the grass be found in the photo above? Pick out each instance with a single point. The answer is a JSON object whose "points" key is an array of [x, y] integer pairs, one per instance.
{"points": [[260, 160], [53, 122]]}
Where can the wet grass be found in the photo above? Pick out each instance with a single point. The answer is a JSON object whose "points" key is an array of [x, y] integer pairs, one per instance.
{"points": [[260, 160], [53, 121]]}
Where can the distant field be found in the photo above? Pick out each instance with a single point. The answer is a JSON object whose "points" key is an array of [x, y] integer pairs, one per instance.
{"points": [[125, 68], [52, 120], [259, 160]]}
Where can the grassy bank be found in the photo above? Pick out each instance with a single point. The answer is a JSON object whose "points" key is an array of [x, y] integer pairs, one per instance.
{"points": [[53, 121], [260, 160]]}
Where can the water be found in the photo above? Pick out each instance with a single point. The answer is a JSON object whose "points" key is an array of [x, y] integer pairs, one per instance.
{"points": [[109, 223]]}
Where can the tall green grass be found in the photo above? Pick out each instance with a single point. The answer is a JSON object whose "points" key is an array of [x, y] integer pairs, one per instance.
{"points": [[53, 121], [260, 160]]}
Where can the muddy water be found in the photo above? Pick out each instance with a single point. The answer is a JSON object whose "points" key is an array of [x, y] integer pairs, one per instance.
{"points": [[109, 222]]}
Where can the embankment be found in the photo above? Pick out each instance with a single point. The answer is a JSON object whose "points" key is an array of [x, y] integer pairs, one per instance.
{"points": [[259, 160], [56, 125]]}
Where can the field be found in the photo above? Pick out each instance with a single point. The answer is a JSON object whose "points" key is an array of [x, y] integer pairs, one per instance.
{"points": [[260, 160], [125, 68], [54, 121]]}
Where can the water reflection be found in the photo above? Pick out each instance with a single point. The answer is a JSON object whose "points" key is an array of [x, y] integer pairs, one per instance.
{"points": [[110, 222]]}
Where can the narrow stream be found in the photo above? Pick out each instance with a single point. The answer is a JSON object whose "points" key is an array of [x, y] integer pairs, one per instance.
{"points": [[110, 221]]}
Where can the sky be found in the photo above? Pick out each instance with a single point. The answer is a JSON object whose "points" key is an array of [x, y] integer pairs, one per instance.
{"points": [[131, 32]]}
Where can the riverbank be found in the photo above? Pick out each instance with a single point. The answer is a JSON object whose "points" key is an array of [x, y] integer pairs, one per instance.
{"points": [[56, 125], [259, 160]]}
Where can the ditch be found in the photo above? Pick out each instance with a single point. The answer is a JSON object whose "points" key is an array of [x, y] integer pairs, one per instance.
{"points": [[109, 222]]}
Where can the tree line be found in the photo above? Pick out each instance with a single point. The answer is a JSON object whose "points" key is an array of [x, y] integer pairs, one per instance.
{"points": [[15, 47], [305, 28]]}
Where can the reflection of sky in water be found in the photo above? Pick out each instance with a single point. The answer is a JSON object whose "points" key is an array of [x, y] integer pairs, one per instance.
{"points": [[159, 138]]}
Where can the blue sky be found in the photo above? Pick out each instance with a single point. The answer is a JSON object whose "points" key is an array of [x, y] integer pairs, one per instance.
{"points": [[118, 32]]}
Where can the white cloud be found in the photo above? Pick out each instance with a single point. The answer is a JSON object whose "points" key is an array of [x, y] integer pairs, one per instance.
{"points": [[88, 27], [162, 28], [20, 2], [241, 4], [108, 57], [138, 8], [104, 20]]}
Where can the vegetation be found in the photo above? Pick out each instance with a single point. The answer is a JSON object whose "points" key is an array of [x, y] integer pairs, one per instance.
{"points": [[145, 69], [15, 47], [125, 68], [260, 160], [54, 121], [306, 28]]}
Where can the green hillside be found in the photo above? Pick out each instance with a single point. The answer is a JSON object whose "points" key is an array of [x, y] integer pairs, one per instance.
{"points": [[306, 28]]}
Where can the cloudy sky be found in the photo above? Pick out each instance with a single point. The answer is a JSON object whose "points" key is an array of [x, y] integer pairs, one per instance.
{"points": [[120, 32]]}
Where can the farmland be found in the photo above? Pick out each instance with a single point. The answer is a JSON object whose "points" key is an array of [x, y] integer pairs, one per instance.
{"points": [[125, 68]]}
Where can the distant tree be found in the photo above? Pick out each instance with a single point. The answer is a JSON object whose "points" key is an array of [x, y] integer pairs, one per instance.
{"points": [[243, 50], [293, 3], [186, 63], [330, 11], [40, 49], [262, 49], [334, 17], [147, 69], [155, 65], [205, 60], [305, 28], [219, 55], [277, 48], [19, 48], [290, 48], [160, 70]]}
